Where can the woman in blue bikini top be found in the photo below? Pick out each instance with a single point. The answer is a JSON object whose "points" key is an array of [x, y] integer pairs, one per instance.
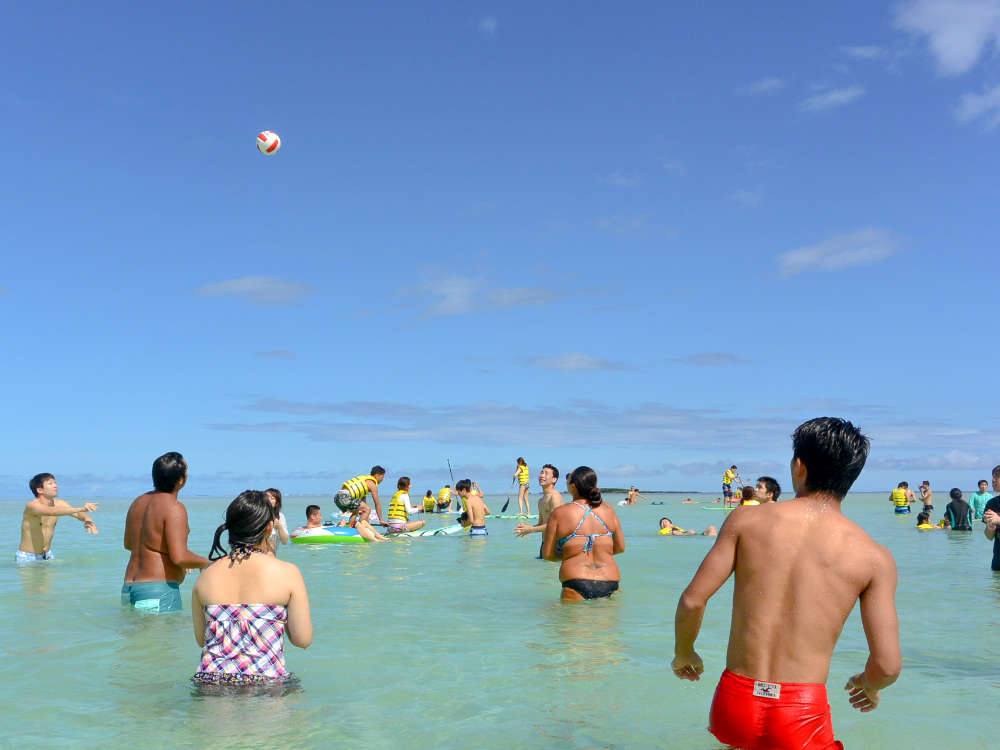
{"points": [[588, 570]]}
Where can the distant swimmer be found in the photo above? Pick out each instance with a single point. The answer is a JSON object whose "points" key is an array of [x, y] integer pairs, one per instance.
{"points": [[400, 510], [156, 535], [729, 476], [429, 502], [444, 499], [522, 475], [924, 522], [550, 500], [38, 523], [773, 691], [474, 517], [667, 528], [584, 535], [902, 498], [688, 501], [633, 496], [978, 500], [927, 496], [767, 490], [356, 489], [957, 513]]}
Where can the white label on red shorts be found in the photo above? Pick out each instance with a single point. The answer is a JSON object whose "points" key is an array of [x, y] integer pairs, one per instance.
{"points": [[766, 689]]}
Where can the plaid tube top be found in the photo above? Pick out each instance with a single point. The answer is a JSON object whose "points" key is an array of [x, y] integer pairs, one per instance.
{"points": [[243, 642]]}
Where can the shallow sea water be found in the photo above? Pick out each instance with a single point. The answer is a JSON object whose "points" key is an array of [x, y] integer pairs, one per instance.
{"points": [[447, 642]]}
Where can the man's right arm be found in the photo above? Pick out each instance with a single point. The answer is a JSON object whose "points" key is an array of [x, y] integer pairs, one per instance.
{"points": [[176, 537], [60, 509], [881, 624]]}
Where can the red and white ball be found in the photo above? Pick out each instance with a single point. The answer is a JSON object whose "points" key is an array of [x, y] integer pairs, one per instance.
{"points": [[268, 143]]}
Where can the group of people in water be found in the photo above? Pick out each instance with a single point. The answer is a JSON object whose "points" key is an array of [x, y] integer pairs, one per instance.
{"points": [[959, 514], [772, 692]]}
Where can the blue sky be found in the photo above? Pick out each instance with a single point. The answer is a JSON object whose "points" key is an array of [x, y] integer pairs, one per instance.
{"points": [[647, 239]]}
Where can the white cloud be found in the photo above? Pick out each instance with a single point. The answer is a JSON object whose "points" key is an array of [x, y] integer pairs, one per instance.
{"points": [[986, 105], [864, 52], [488, 25], [276, 354], [957, 31], [259, 290], [768, 85], [747, 198], [832, 98], [860, 248], [619, 179], [710, 359], [458, 295], [577, 363]]}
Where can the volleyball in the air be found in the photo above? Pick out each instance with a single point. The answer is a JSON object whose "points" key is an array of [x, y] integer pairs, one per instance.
{"points": [[268, 143]]}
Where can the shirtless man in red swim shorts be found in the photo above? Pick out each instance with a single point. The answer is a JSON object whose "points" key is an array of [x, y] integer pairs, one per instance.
{"points": [[800, 566]]}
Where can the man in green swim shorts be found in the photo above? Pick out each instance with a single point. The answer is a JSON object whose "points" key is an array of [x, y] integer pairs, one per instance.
{"points": [[156, 533]]}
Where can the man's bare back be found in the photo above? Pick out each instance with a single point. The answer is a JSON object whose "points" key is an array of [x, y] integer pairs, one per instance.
{"points": [[476, 508], [156, 533], [814, 564]]}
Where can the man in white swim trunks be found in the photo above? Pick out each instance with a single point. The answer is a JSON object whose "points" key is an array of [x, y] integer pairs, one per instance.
{"points": [[38, 523], [550, 500]]}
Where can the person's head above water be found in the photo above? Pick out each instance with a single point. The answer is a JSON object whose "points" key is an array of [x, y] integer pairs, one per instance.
{"points": [[828, 454], [582, 484], [767, 489], [169, 472], [955, 494], [747, 492], [403, 483], [249, 520], [464, 518], [665, 522], [923, 517], [314, 514], [463, 486], [903, 486]]}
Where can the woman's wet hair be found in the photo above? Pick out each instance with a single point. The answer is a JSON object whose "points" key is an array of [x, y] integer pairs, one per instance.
{"points": [[276, 494], [955, 494], [833, 451], [521, 461], [168, 471], [747, 492], [585, 480], [247, 519]]}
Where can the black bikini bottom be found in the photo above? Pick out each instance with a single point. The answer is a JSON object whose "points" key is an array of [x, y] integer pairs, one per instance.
{"points": [[591, 589]]}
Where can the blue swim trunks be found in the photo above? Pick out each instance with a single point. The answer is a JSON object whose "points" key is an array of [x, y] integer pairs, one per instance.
{"points": [[152, 596], [904, 509], [23, 558], [477, 531]]}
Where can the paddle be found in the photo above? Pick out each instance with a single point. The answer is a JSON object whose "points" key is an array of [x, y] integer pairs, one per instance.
{"points": [[452, 475], [504, 508]]}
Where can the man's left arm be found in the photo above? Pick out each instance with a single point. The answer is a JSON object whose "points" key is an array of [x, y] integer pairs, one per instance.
{"points": [[378, 503], [715, 569], [88, 523]]}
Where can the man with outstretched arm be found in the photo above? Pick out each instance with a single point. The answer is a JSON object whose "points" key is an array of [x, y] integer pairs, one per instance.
{"points": [[800, 566], [156, 533], [38, 523], [550, 500]]}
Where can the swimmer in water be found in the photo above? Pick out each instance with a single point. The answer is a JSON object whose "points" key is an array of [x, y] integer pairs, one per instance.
{"points": [[550, 500], [475, 509], [38, 522], [667, 528], [924, 521]]}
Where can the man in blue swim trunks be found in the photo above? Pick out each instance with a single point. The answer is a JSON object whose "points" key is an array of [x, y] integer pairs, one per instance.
{"points": [[475, 509], [38, 524], [156, 533]]}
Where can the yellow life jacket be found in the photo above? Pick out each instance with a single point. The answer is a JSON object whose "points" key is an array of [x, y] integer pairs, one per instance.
{"points": [[926, 526], [522, 474], [899, 498], [672, 529], [751, 502], [728, 476], [358, 486], [428, 502], [444, 496], [397, 508]]}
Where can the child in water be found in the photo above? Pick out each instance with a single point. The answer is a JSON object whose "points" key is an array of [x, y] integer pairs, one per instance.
{"points": [[924, 521]]}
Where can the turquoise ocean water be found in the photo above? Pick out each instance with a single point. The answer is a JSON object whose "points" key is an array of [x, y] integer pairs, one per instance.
{"points": [[447, 642]]}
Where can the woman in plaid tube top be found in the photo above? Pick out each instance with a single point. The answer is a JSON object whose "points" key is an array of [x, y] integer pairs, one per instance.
{"points": [[246, 601]]}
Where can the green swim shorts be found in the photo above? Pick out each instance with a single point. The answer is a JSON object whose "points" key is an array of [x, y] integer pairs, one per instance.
{"points": [[156, 597]]}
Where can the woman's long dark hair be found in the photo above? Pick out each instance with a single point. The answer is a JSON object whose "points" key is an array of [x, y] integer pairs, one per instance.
{"points": [[247, 518], [277, 500], [585, 480]]}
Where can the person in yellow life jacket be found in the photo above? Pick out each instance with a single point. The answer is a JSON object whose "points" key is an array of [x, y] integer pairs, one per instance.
{"points": [[444, 499], [728, 477], [429, 502], [901, 498], [400, 510], [355, 490], [924, 521], [523, 477]]}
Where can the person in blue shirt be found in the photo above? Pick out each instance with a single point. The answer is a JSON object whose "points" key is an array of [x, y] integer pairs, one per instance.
{"points": [[978, 500]]}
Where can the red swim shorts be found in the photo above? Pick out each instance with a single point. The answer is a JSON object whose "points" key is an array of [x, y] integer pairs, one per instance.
{"points": [[754, 715]]}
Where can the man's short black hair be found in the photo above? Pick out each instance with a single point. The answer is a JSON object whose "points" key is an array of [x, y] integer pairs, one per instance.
{"points": [[310, 509], [770, 485], [833, 451], [555, 471], [904, 485], [955, 494], [377, 470], [36, 482], [463, 485], [169, 470]]}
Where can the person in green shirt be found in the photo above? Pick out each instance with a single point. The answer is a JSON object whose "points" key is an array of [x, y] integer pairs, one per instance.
{"points": [[978, 499]]}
